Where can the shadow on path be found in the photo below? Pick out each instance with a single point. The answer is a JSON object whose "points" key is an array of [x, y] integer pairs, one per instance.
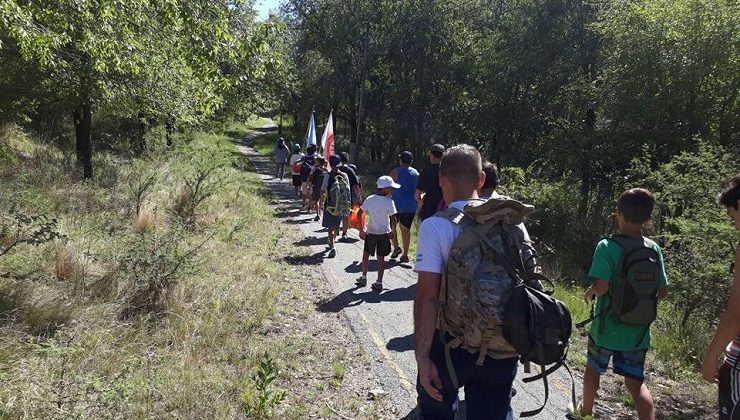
{"points": [[315, 259], [401, 344], [350, 298], [311, 240]]}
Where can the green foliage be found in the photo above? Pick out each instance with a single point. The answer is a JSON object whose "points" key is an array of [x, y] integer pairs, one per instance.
{"points": [[698, 239], [18, 228], [260, 400], [154, 261]]}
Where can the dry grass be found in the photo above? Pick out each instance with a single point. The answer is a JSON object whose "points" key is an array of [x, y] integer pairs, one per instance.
{"points": [[68, 264], [146, 221], [182, 201]]}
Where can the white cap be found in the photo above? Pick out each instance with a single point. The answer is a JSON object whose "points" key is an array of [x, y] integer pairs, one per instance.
{"points": [[385, 181]]}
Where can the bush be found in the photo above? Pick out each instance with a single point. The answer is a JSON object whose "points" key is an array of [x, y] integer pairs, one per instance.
{"points": [[153, 262]]}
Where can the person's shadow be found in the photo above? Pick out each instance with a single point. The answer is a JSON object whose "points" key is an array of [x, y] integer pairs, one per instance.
{"points": [[310, 240], [356, 267], [350, 297], [313, 260], [401, 344]]}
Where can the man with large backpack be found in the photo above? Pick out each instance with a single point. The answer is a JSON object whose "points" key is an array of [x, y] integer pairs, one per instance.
{"points": [[467, 262], [338, 201]]}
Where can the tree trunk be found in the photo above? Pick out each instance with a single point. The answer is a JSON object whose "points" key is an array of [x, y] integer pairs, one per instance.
{"points": [[140, 140], [83, 131], [169, 128]]}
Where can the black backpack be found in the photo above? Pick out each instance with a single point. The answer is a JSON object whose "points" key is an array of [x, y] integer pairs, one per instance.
{"points": [[633, 291], [307, 164], [538, 326]]}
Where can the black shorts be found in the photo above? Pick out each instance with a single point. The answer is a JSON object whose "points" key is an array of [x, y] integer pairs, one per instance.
{"points": [[729, 388], [316, 193], [331, 221], [378, 243], [296, 180], [406, 219]]}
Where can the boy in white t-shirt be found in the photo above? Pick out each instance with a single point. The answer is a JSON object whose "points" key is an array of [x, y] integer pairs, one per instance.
{"points": [[380, 210]]}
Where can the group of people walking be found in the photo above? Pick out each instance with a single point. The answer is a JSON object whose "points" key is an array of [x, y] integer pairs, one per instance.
{"points": [[450, 198]]}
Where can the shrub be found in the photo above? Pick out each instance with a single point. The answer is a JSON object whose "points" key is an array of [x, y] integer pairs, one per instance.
{"points": [[153, 262], [259, 401]]}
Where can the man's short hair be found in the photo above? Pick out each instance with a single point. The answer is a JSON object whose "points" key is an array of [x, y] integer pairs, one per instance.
{"points": [[311, 149], [320, 160], [636, 205], [461, 165], [344, 156], [406, 157], [334, 161], [492, 178], [731, 193], [437, 150]]}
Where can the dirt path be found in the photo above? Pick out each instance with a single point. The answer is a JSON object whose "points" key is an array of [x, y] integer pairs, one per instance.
{"points": [[382, 322]]}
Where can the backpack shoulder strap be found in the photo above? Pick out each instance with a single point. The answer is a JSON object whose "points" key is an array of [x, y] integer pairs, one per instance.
{"points": [[452, 214]]}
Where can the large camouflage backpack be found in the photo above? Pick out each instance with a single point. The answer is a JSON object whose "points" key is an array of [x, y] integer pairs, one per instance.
{"points": [[491, 298], [338, 200], [475, 287]]}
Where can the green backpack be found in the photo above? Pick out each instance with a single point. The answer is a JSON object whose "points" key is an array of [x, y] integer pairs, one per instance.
{"points": [[633, 289]]}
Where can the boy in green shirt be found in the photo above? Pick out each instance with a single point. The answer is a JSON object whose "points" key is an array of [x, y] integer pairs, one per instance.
{"points": [[624, 343]]}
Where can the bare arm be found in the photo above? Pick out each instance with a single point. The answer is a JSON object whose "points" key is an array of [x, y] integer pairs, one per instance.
{"points": [[728, 327], [425, 311], [425, 321], [599, 288], [419, 196]]}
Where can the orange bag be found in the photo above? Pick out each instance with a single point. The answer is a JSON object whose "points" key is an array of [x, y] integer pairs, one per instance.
{"points": [[356, 222]]}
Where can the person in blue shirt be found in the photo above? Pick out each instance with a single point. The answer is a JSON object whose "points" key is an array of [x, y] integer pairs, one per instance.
{"points": [[405, 200]]}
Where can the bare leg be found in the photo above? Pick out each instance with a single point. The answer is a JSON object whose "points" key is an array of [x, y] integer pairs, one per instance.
{"points": [[644, 403], [406, 238], [381, 268], [590, 387], [332, 236], [394, 236], [345, 226], [365, 263]]}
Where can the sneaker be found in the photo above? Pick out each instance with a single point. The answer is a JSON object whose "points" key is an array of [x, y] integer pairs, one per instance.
{"points": [[396, 253], [332, 253], [404, 259], [574, 414], [377, 286], [361, 281], [344, 237]]}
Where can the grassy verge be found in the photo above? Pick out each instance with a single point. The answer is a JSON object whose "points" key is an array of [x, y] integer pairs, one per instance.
{"points": [[168, 311]]}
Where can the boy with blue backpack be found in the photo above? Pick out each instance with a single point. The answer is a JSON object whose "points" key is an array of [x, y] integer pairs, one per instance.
{"points": [[628, 280]]}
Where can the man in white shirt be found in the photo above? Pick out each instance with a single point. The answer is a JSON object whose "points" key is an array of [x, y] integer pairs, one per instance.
{"points": [[487, 387], [380, 211]]}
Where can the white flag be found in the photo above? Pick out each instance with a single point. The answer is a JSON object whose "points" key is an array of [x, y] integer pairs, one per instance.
{"points": [[311, 134]]}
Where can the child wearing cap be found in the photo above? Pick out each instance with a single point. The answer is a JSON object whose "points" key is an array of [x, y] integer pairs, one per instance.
{"points": [[380, 211]]}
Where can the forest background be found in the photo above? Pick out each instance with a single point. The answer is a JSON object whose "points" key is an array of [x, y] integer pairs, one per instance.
{"points": [[575, 100]]}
